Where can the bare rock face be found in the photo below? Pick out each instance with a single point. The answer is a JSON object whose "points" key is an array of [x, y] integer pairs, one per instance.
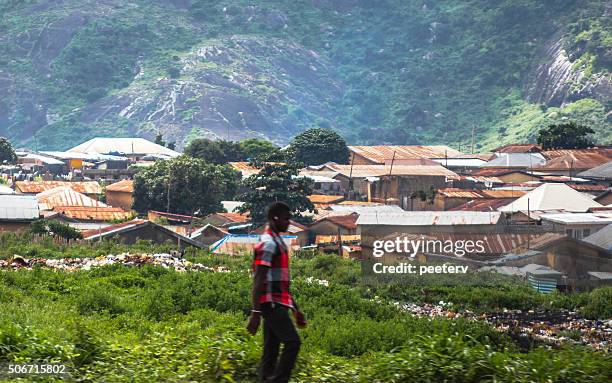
{"points": [[228, 89], [556, 82]]}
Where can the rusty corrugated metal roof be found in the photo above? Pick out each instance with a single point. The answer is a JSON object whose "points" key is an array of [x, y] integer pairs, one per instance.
{"points": [[483, 204], [476, 194], [362, 171], [577, 160], [35, 187], [108, 229], [380, 153], [518, 148], [348, 221], [549, 154], [64, 196], [93, 213], [123, 186]]}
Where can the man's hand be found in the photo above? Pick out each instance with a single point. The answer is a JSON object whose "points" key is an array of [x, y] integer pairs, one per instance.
{"points": [[300, 319], [254, 322]]}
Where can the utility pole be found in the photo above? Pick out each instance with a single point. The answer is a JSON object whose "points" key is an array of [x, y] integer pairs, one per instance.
{"points": [[390, 172], [350, 185], [168, 202]]}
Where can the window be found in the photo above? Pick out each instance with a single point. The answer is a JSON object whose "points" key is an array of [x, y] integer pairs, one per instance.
{"points": [[586, 232]]}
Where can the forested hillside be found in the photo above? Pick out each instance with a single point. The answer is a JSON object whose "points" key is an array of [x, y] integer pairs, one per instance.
{"points": [[387, 71]]}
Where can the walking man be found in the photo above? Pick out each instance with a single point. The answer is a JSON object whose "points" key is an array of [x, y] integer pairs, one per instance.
{"points": [[272, 299]]}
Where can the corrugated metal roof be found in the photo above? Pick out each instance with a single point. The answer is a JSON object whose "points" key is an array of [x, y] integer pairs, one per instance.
{"points": [[378, 209], [551, 196], [348, 221], [518, 148], [381, 153], [496, 172], [459, 193], [83, 156], [18, 207], [461, 162], [362, 171], [123, 186], [578, 160], [519, 160], [93, 213], [549, 154], [601, 238], [602, 171], [430, 218], [579, 218], [123, 146], [482, 204], [28, 157], [64, 196], [476, 194], [35, 187], [592, 188], [234, 217]]}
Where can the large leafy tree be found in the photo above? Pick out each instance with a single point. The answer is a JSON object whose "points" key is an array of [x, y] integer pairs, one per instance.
{"points": [[566, 135], [215, 152], [7, 153], [316, 146], [255, 148], [276, 183], [184, 184]]}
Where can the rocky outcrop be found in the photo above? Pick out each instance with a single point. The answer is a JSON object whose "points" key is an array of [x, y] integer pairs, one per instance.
{"points": [[556, 81], [231, 89]]}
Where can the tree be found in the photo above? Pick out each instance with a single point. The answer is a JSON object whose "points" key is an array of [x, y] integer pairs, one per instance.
{"points": [[55, 228], [159, 139], [255, 148], [184, 185], [215, 152], [316, 146], [7, 153], [206, 150], [566, 135], [276, 182]]}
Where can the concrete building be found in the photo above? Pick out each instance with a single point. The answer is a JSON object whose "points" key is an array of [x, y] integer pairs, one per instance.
{"points": [[17, 212], [120, 194], [576, 225], [138, 229]]}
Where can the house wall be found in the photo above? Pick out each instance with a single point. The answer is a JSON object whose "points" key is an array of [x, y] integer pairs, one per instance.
{"points": [[13, 226], [123, 200], [575, 231], [402, 188], [329, 228], [149, 233]]}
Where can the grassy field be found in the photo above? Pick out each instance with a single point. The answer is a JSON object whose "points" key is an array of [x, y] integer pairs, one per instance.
{"points": [[143, 324]]}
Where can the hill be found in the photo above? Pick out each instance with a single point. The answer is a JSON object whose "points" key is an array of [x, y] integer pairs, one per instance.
{"points": [[389, 71]]}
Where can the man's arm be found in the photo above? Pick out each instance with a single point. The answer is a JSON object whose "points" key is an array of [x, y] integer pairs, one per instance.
{"points": [[258, 285]]}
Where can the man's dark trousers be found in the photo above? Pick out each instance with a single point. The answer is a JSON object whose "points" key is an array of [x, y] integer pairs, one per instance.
{"points": [[278, 328]]}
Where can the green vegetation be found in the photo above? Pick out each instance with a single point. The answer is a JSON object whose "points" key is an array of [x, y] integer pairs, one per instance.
{"points": [[276, 182], [118, 323], [7, 153], [567, 135], [405, 72], [184, 185], [316, 146]]}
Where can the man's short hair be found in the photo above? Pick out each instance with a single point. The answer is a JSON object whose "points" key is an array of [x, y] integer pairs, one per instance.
{"points": [[277, 208]]}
